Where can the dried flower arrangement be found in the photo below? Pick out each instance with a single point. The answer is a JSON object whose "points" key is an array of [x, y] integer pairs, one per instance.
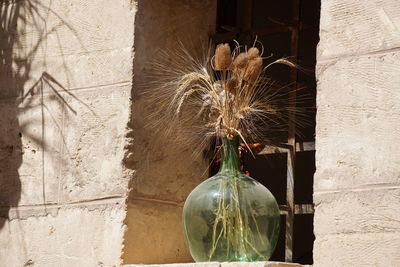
{"points": [[226, 95]]}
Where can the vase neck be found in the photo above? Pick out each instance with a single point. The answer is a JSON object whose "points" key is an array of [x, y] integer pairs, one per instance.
{"points": [[230, 155]]}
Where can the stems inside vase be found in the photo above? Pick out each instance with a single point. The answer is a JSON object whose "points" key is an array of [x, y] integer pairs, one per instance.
{"points": [[230, 224]]}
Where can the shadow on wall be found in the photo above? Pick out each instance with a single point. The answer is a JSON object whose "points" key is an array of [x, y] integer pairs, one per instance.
{"points": [[165, 172], [11, 86], [20, 92]]}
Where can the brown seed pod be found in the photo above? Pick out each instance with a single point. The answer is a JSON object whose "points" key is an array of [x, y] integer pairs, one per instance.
{"points": [[223, 58], [253, 70], [253, 53], [231, 85], [241, 61]]}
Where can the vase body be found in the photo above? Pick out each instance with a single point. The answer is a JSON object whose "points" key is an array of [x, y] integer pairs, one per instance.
{"points": [[231, 216]]}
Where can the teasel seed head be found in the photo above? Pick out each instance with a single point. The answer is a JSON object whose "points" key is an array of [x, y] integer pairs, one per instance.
{"points": [[231, 85], [253, 70], [253, 53], [223, 57], [241, 61]]}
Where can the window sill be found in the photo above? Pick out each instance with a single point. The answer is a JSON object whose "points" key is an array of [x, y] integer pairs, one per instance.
{"points": [[223, 264]]}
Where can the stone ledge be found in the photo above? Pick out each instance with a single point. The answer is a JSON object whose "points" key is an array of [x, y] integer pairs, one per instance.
{"points": [[222, 264]]}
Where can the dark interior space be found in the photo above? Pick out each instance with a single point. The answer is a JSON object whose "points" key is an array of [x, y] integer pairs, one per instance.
{"points": [[287, 29]]}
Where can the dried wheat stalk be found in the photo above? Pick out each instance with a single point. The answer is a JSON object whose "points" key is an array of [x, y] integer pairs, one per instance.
{"points": [[222, 94]]}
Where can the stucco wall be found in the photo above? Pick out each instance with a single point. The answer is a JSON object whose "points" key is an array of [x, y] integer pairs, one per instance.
{"points": [[66, 72], [165, 172], [357, 182]]}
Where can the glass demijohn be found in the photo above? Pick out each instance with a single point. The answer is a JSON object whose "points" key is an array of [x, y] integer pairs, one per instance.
{"points": [[231, 216]]}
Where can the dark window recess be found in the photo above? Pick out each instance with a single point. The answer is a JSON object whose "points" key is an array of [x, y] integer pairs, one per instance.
{"points": [[305, 168], [270, 170], [286, 28]]}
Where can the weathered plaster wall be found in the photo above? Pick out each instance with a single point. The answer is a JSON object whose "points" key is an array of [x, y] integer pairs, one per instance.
{"points": [[66, 71], [165, 172], [357, 183]]}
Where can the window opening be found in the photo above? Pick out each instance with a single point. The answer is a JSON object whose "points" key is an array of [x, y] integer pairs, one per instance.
{"points": [[285, 28]]}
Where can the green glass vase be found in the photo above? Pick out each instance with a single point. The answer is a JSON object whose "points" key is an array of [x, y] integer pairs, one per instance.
{"points": [[231, 216]]}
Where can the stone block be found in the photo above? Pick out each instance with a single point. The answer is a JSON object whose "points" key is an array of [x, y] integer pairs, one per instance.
{"points": [[357, 249], [167, 173], [373, 210], [154, 234], [69, 41], [71, 72], [357, 125], [94, 138], [354, 27], [48, 29], [68, 73], [31, 129], [90, 236], [64, 146]]}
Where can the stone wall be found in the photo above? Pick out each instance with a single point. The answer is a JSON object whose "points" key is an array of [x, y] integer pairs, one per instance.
{"points": [[65, 88], [65, 84], [165, 172], [357, 182]]}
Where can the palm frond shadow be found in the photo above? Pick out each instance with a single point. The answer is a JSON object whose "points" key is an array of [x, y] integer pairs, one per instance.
{"points": [[16, 73]]}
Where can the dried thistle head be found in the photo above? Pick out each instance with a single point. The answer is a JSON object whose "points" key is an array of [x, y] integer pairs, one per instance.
{"points": [[253, 53], [223, 57], [241, 61], [253, 70], [231, 85]]}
